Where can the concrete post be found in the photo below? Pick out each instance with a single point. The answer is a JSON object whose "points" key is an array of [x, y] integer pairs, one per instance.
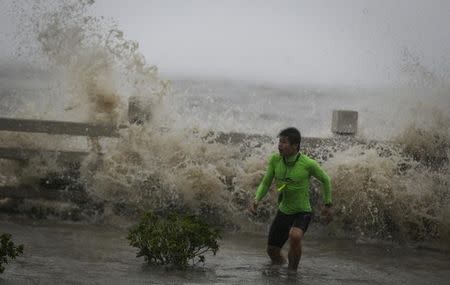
{"points": [[344, 122], [139, 111]]}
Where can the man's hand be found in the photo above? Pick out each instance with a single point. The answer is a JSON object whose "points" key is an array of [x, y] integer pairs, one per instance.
{"points": [[327, 214], [253, 208]]}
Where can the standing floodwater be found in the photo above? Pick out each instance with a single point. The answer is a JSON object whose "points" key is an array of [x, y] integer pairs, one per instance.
{"points": [[94, 254]]}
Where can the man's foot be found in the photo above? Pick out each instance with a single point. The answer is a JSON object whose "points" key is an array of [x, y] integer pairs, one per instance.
{"points": [[279, 261], [292, 273], [275, 255]]}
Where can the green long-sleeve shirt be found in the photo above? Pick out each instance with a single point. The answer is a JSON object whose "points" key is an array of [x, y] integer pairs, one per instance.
{"points": [[292, 178]]}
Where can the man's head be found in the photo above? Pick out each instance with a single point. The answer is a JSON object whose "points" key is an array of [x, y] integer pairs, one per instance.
{"points": [[289, 141]]}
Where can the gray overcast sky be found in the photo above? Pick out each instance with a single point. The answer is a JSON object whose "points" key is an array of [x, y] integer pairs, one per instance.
{"points": [[348, 42]]}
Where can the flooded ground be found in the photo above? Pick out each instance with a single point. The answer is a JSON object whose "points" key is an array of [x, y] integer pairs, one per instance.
{"points": [[61, 253]]}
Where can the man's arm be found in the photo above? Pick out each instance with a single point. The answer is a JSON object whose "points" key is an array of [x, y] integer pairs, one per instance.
{"points": [[264, 185], [266, 182], [318, 173]]}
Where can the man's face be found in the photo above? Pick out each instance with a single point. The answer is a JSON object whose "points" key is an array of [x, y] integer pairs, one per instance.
{"points": [[285, 147]]}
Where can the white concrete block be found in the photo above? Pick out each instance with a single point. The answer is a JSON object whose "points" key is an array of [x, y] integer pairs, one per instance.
{"points": [[344, 122]]}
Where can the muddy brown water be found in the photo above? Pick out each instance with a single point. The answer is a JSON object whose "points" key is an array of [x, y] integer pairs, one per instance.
{"points": [[61, 253]]}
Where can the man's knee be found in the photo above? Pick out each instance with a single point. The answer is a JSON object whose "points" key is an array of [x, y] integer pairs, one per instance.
{"points": [[296, 235]]}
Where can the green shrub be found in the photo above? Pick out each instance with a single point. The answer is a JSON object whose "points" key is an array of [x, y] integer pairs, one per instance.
{"points": [[8, 250], [174, 239]]}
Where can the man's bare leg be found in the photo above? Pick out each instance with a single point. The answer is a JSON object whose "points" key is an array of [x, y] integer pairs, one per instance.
{"points": [[295, 247], [275, 255]]}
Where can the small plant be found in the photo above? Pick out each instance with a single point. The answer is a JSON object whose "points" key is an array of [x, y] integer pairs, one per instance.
{"points": [[174, 239], [8, 250]]}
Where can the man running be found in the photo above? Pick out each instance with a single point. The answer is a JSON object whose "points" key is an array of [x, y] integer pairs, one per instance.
{"points": [[292, 171]]}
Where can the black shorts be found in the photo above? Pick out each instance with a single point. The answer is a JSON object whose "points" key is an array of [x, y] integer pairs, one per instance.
{"points": [[282, 224]]}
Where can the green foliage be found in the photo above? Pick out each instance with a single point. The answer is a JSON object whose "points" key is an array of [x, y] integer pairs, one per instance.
{"points": [[174, 239], [8, 249]]}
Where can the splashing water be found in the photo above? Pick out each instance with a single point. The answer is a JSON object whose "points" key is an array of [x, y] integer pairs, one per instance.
{"points": [[396, 191], [98, 70], [146, 168]]}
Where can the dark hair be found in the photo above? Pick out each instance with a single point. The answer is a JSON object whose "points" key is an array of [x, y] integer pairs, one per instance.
{"points": [[292, 134]]}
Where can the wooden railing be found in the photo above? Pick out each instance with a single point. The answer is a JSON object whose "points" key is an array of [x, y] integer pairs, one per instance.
{"points": [[96, 131], [52, 128], [63, 157]]}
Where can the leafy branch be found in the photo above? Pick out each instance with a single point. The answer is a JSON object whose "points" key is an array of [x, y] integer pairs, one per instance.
{"points": [[173, 239], [8, 250]]}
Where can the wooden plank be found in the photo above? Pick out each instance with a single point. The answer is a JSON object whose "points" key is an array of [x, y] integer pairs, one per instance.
{"points": [[57, 128], [26, 154], [44, 192], [29, 192]]}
